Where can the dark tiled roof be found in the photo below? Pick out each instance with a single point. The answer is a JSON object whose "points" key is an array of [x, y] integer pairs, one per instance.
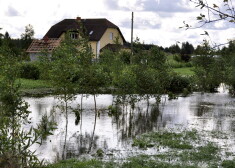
{"points": [[96, 26]]}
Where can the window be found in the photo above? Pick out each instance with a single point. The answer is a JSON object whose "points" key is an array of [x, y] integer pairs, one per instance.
{"points": [[74, 35], [111, 36], [91, 32]]}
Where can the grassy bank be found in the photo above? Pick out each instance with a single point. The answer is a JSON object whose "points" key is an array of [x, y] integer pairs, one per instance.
{"points": [[186, 149], [30, 87], [34, 84]]}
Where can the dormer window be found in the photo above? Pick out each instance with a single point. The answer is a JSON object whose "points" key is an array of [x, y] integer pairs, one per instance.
{"points": [[111, 36], [74, 35]]}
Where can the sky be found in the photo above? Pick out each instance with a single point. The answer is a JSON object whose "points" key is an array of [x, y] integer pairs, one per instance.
{"points": [[155, 21]]}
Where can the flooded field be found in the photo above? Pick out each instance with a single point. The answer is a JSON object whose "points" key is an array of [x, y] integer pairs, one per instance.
{"points": [[114, 133]]}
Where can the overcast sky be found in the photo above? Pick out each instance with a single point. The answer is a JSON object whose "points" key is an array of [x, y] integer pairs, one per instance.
{"points": [[155, 21]]}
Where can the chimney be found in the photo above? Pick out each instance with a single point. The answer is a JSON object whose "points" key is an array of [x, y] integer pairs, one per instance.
{"points": [[78, 19], [45, 39]]}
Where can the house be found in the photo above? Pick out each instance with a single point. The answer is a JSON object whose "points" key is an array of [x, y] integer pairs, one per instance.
{"points": [[101, 32]]}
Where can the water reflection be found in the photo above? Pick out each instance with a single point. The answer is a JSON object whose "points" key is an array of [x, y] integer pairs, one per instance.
{"points": [[114, 132]]}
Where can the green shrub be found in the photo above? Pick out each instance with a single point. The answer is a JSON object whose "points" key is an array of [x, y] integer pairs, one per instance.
{"points": [[177, 58], [228, 163], [29, 71], [178, 83]]}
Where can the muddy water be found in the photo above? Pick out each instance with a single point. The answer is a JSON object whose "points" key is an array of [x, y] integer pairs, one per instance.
{"points": [[113, 134]]}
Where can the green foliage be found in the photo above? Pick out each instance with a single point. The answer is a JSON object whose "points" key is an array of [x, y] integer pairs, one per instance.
{"points": [[33, 84], [63, 66], [73, 163], [107, 56], [46, 126], [214, 12], [177, 58], [203, 153], [27, 36], [125, 81], [94, 80], [174, 61], [178, 83], [144, 161], [186, 51], [174, 49], [169, 139], [184, 71], [149, 81], [228, 164], [125, 57], [29, 71], [228, 57], [209, 70], [172, 95], [15, 142], [114, 110], [100, 153]]}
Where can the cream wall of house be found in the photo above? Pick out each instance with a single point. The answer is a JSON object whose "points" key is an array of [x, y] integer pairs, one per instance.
{"points": [[105, 39], [93, 45]]}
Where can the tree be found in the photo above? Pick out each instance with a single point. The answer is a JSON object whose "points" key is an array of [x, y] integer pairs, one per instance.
{"points": [[15, 142], [186, 51], [94, 80], [7, 41], [67, 67], [225, 11], [215, 12], [64, 65], [228, 56], [174, 49], [1, 35], [27, 36], [209, 70]]}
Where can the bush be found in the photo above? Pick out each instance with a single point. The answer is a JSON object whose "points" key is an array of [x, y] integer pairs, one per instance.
{"points": [[178, 83], [228, 163], [29, 71], [177, 58], [185, 57]]}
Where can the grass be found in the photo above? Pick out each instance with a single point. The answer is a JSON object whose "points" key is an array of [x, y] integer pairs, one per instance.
{"points": [[166, 139], [34, 84], [180, 67], [186, 71], [175, 61], [183, 150], [73, 163], [186, 149], [38, 88]]}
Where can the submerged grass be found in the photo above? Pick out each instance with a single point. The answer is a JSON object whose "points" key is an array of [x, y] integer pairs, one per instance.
{"points": [[185, 149], [73, 163], [166, 139]]}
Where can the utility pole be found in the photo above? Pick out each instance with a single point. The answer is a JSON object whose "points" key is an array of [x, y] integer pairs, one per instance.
{"points": [[132, 21]]}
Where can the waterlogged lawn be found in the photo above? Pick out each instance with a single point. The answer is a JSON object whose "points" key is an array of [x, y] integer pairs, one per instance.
{"points": [[186, 149]]}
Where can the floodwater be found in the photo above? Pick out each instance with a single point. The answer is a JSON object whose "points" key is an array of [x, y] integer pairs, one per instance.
{"points": [[114, 133]]}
